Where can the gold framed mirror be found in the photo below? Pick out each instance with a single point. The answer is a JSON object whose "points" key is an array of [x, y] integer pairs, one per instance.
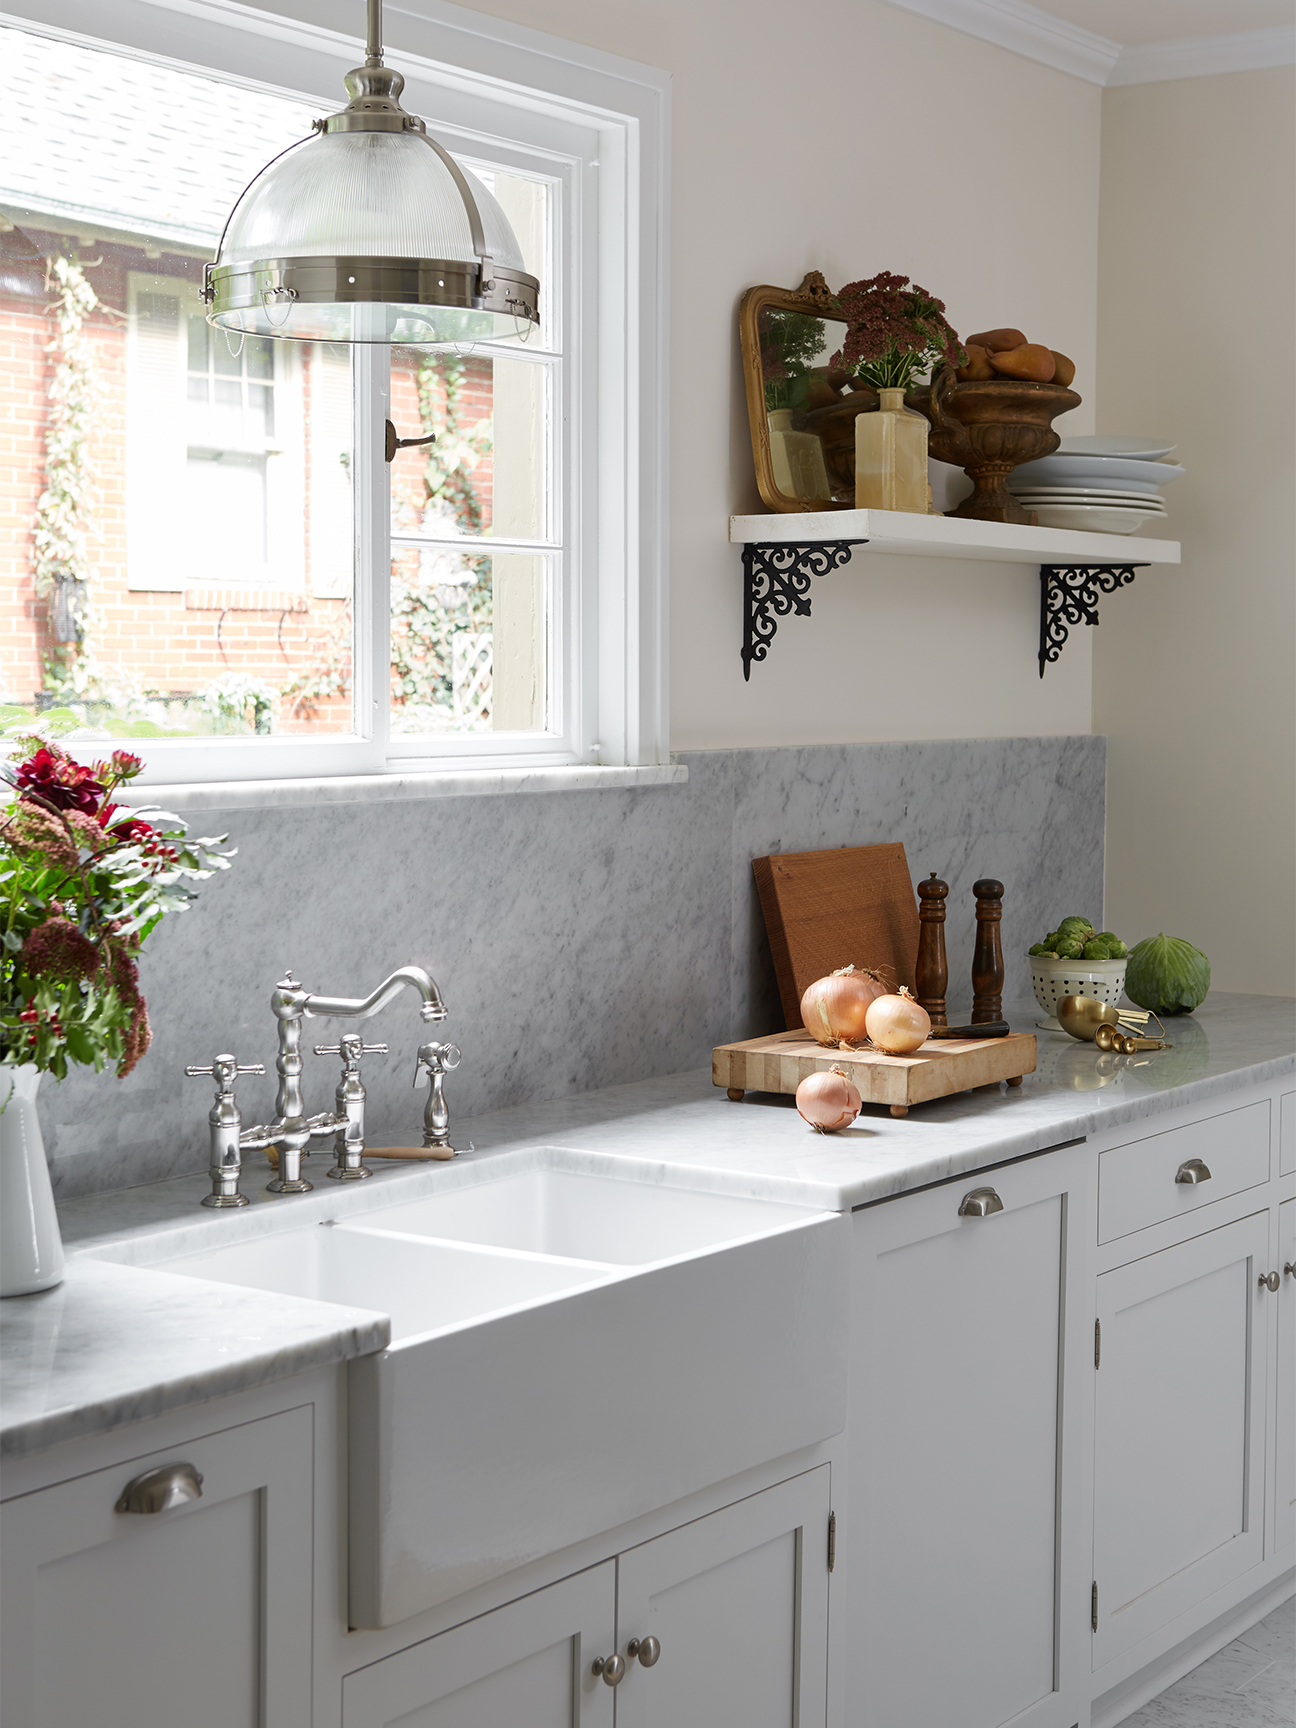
{"points": [[801, 408]]}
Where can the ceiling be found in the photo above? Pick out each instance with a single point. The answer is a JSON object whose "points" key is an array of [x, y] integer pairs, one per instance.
{"points": [[1137, 22]]}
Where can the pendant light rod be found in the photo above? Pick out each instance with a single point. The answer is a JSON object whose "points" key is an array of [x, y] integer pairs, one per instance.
{"points": [[373, 43]]}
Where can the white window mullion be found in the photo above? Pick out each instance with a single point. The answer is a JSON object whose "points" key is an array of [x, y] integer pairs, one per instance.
{"points": [[372, 605]]}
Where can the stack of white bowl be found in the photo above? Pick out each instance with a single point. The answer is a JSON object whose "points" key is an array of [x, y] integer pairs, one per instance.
{"points": [[1106, 485]]}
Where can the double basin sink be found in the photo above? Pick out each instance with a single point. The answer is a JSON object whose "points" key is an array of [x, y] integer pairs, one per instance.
{"points": [[568, 1351]]}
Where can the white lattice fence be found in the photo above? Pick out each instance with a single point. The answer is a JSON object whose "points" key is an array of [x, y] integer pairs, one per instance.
{"points": [[472, 656]]}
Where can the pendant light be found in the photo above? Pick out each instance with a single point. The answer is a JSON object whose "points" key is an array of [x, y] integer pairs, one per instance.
{"points": [[370, 231]]}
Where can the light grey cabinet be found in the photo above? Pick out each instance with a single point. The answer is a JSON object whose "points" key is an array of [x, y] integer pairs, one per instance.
{"points": [[1179, 1429], [735, 1604], [738, 1605], [1283, 1533], [197, 1614], [960, 1554], [526, 1665]]}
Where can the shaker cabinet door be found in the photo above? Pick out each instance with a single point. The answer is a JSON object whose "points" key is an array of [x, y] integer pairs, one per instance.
{"points": [[526, 1665], [956, 1580], [738, 1605], [1284, 1523], [1179, 1424], [198, 1613]]}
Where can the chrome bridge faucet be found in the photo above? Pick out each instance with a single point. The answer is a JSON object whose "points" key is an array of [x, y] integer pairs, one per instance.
{"points": [[292, 1129]]}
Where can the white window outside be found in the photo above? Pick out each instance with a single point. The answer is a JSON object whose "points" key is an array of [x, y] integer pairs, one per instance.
{"points": [[496, 601]]}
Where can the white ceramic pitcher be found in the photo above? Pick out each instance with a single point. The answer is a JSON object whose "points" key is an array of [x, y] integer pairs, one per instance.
{"points": [[31, 1249]]}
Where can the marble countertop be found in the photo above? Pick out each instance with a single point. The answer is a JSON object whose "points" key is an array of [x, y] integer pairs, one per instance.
{"points": [[123, 1339]]}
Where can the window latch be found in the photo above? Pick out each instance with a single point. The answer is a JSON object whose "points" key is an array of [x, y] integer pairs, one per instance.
{"points": [[394, 443]]}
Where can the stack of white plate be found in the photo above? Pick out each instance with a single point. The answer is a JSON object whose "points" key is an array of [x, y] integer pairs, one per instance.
{"points": [[1107, 485]]}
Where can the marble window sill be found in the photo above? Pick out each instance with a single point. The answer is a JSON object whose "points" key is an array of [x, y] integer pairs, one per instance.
{"points": [[402, 788]]}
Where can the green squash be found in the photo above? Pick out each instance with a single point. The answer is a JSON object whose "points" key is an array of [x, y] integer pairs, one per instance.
{"points": [[1167, 975]]}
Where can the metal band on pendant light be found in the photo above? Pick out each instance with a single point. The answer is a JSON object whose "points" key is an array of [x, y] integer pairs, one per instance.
{"points": [[317, 295]]}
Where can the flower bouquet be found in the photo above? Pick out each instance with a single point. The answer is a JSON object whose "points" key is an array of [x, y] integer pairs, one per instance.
{"points": [[894, 331], [83, 882]]}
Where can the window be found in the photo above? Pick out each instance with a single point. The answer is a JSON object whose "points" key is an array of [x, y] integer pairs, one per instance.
{"points": [[250, 590]]}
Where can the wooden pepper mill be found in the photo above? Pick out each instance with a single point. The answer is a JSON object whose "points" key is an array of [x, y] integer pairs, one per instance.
{"points": [[931, 970], [987, 956]]}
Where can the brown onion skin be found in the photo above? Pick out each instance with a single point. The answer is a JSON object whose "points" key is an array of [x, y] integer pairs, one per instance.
{"points": [[891, 1039], [828, 1101], [833, 1009]]}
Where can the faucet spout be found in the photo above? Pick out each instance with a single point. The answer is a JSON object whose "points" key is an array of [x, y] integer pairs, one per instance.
{"points": [[431, 1006]]}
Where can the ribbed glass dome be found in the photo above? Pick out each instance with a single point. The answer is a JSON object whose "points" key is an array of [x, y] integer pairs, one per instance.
{"points": [[364, 195], [367, 233]]}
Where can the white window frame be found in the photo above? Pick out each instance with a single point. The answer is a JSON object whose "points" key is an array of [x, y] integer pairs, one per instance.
{"points": [[466, 72]]}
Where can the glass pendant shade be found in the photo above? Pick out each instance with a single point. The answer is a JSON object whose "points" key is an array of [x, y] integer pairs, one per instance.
{"points": [[370, 232]]}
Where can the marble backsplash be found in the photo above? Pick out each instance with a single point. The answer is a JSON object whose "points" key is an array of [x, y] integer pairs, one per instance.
{"points": [[580, 939]]}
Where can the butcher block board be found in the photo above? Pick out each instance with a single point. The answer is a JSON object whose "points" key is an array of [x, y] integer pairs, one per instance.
{"points": [[936, 1069], [852, 906]]}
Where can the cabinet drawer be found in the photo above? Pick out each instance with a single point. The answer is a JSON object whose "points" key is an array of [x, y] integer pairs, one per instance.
{"points": [[1137, 1183]]}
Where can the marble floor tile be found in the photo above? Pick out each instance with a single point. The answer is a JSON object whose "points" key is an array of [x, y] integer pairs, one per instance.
{"points": [[1250, 1683]]}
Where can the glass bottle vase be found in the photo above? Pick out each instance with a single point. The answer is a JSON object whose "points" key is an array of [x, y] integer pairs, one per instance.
{"points": [[891, 457]]}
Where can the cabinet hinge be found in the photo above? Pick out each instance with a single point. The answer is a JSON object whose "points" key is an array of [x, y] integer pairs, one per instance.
{"points": [[1093, 1616], [832, 1540], [1097, 1343]]}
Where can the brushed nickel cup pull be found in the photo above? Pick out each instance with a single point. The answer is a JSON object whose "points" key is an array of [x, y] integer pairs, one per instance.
{"points": [[646, 1649], [980, 1203], [1193, 1171], [1270, 1281], [612, 1668], [161, 1489]]}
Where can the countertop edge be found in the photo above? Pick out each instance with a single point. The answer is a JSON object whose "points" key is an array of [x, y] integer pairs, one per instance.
{"points": [[23, 1439]]}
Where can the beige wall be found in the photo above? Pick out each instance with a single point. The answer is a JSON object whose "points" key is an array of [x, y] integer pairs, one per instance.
{"points": [[848, 136], [1193, 684]]}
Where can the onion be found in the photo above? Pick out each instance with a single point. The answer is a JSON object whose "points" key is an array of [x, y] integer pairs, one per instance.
{"points": [[896, 1024], [833, 1008], [828, 1101]]}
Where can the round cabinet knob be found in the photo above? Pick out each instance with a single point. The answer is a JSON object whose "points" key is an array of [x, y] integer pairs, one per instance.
{"points": [[612, 1668], [1290, 1269], [646, 1649], [980, 1203], [1270, 1281]]}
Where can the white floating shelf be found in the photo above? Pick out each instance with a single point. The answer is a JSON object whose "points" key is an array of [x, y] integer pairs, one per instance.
{"points": [[949, 537]]}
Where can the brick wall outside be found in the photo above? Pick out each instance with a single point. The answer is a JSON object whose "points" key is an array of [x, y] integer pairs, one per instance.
{"points": [[174, 642]]}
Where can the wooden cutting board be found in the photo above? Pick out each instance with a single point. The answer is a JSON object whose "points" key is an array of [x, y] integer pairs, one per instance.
{"points": [[854, 906], [935, 1070]]}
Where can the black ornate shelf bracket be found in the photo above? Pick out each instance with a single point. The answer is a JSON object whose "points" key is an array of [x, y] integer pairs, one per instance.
{"points": [[1069, 596], [776, 584]]}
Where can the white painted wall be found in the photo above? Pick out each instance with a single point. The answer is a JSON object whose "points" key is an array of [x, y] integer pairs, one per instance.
{"points": [[1193, 681], [848, 136]]}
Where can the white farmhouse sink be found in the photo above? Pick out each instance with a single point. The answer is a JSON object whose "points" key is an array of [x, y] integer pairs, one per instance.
{"points": [[568, 1353], [584, 1217], [423, 1287]]}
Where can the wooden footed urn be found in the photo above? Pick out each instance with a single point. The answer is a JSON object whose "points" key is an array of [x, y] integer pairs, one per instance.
{"points": [[988, 428]]}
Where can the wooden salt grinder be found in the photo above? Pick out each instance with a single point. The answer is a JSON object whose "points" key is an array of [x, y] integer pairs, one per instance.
{"points": [[987, 956], [931, 971]]}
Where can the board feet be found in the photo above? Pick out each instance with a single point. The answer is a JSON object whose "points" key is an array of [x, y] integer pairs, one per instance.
{"points": [[899, 1109], [737, 1093], [1015, 1080]]}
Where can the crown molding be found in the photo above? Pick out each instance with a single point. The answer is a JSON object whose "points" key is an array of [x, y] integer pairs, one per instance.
{"points": [[1202, 56], [1024, 29]]}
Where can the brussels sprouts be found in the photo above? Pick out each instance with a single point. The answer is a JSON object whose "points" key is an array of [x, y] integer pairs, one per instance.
{"points": [[1096, 950], [1069, 948]]}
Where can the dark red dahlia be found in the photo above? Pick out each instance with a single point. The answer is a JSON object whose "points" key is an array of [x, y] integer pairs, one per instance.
{"points": [[60, 782]]}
